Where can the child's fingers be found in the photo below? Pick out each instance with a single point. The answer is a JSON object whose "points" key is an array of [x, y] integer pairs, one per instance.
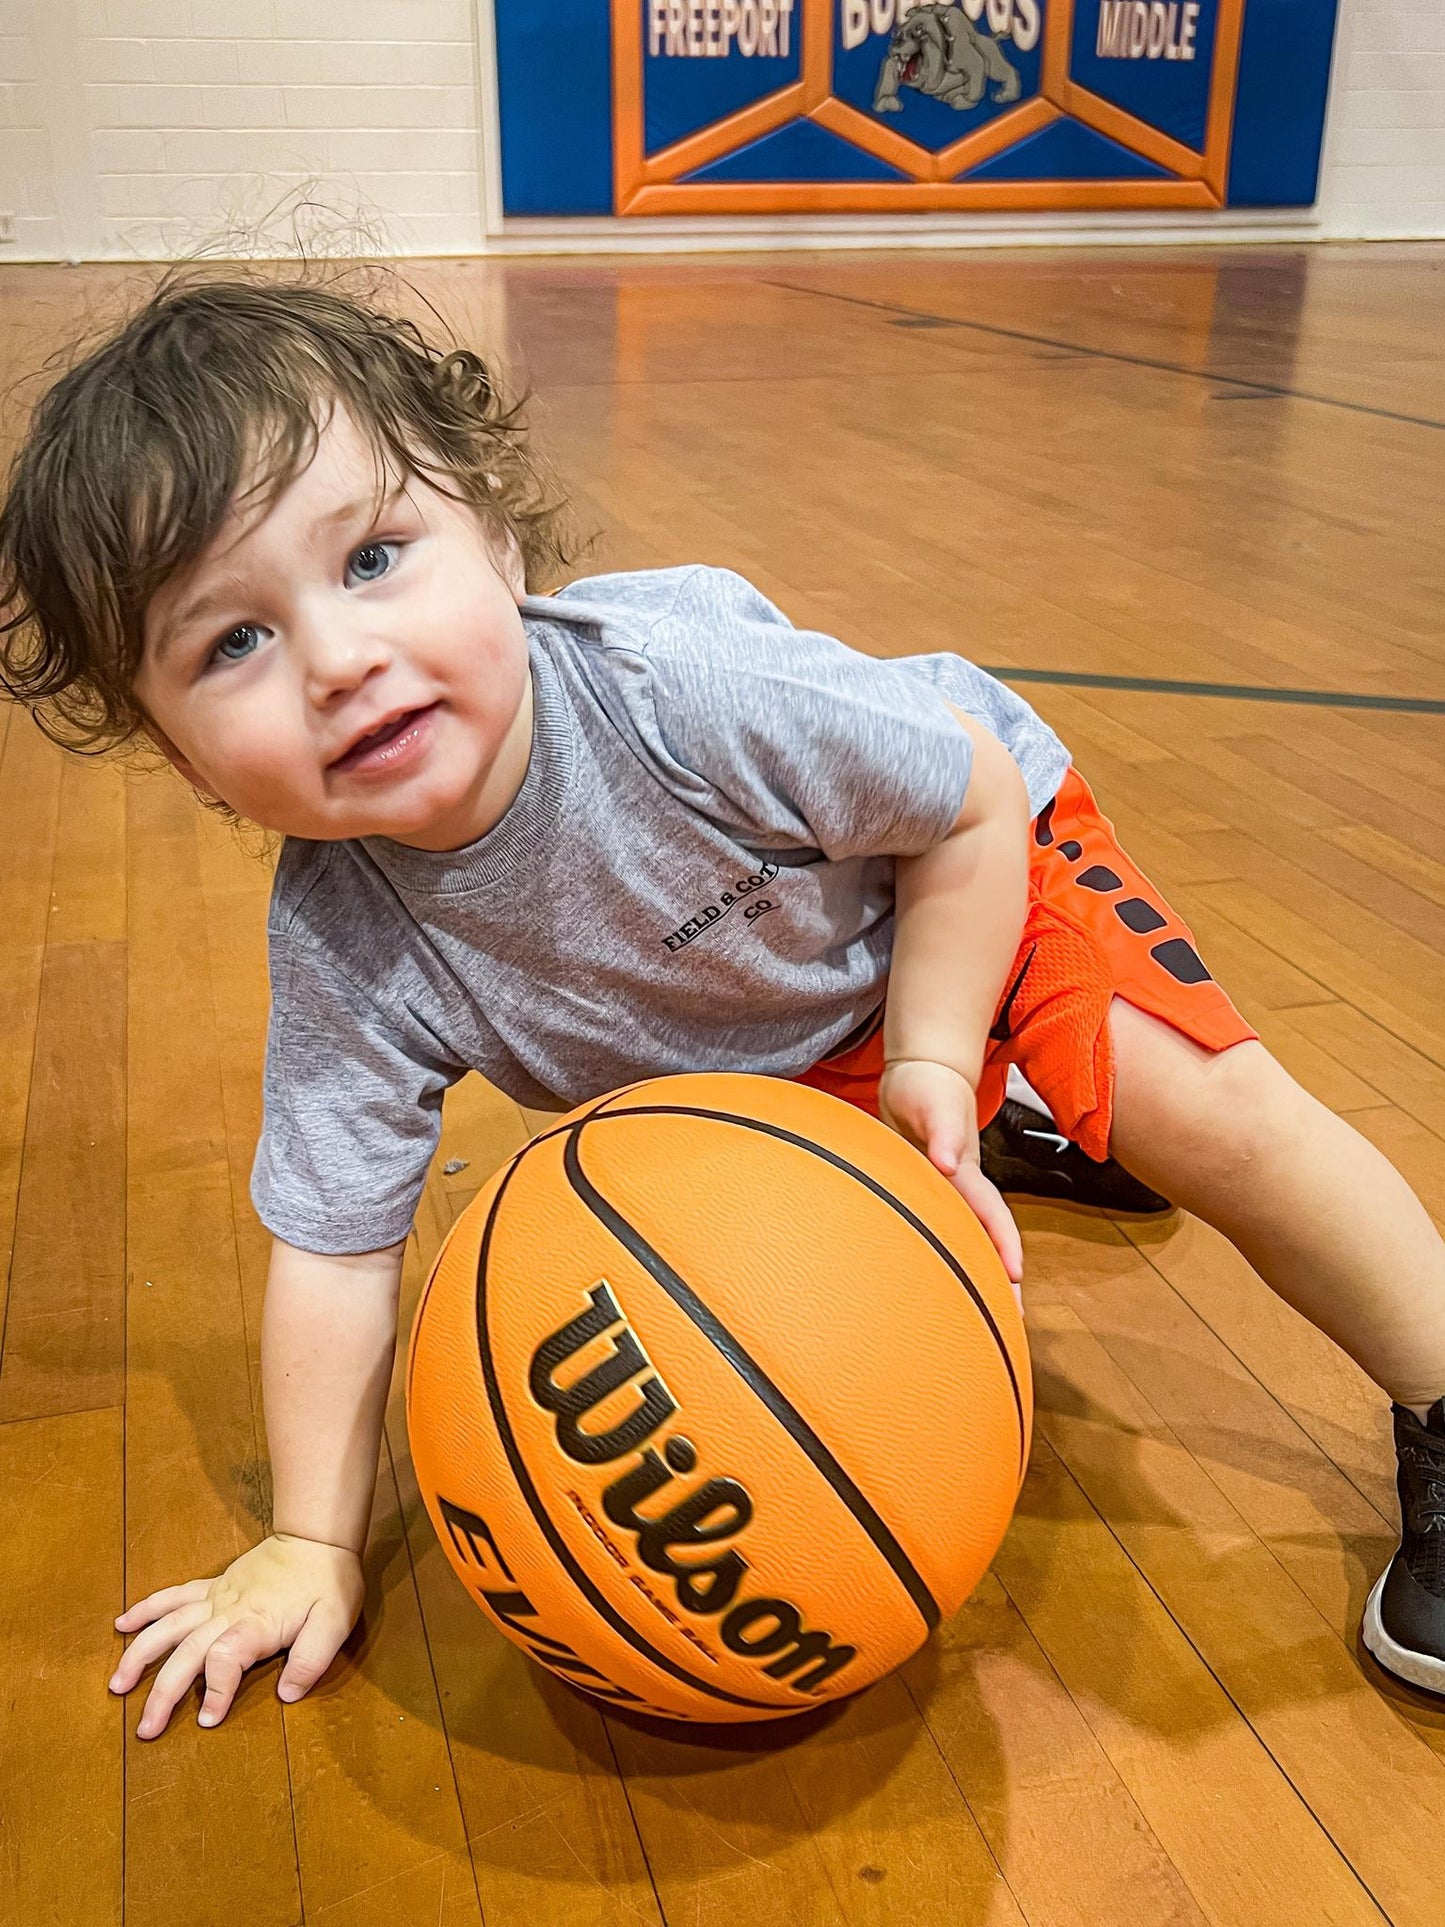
{"points": [[156, 1639], [164, 1601], [175, 1678], [312, 1651], [995, 1217], [237, 1648], [947, 1142]]}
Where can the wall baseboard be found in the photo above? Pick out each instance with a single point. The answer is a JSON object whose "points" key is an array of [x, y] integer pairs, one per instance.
{"points": [[722, 234], [580, 238]]}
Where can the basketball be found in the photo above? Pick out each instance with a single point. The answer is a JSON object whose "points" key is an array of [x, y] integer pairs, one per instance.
{"points": [[718, 1398]]}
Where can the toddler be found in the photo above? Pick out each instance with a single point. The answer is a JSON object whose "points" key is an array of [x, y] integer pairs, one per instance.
{"points": [[570, 840]]}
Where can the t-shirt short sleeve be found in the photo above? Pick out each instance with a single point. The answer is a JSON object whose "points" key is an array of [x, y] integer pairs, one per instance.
{"points": [[352, 1108], [787, 737]]}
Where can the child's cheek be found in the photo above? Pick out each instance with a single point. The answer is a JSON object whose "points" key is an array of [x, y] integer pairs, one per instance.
{"points": [[270, 766]]}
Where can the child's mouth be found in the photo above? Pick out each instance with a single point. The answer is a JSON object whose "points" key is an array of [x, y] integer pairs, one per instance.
{"points": [[387, 748]]}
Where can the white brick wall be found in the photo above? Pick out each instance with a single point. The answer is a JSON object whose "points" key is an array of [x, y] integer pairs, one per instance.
{"points": [[27, 162], [134, 127], [1384, 161]]}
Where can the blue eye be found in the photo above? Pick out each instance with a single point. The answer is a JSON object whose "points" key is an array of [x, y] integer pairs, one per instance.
{"points": [[371, 562], [238, 643]]}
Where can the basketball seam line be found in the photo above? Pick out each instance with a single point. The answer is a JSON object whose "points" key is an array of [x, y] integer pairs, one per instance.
{"points": [[753, 1375], [831, 1157], [529, 1492]]}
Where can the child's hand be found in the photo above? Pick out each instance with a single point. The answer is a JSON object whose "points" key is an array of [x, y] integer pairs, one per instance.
{"points": [[285, 1592], [934, 1107]]}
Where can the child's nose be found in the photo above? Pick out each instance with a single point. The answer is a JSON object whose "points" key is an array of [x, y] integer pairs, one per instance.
{"points": [[340, 656]]}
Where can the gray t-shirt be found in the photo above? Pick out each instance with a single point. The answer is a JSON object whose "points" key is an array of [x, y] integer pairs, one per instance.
{"points": [[697, 874]]}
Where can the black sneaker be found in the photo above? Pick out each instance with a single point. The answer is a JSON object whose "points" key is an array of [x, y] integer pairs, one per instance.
{"points": [[1022, 1153], [1404, 1624]]}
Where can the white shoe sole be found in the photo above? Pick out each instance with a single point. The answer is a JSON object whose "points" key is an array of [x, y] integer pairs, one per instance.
{"points": [[1418, 1668]]}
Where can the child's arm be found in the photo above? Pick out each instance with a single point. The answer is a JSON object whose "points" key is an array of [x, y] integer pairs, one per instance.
{"points": [[327, 1340], [959, 915]]}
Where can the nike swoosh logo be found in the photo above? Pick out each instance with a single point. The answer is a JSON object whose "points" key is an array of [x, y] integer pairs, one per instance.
{"points": [[1002, 1028]]}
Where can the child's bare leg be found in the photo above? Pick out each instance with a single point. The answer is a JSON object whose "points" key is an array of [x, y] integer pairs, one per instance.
{"points": [[1338, 1233], [1323, 1217]]}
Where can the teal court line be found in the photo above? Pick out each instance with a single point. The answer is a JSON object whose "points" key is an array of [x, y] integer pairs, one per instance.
{"points": [[1238, 692]]}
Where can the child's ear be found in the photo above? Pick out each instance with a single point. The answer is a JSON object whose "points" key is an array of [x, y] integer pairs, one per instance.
{"points": [[174, 757]]}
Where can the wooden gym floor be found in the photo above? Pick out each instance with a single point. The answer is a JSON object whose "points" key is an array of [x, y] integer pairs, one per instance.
{"points": [[1217, 467]]}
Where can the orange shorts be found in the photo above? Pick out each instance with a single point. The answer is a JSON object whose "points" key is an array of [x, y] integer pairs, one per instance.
{"points": [[1096, 929]]}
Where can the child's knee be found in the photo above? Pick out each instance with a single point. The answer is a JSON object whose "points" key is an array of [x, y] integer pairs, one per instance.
{"points": [[1251, 1103], [1225, 1120], [1207, 1118]]}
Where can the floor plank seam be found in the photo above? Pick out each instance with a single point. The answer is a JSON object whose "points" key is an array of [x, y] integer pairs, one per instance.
{"points": [[1241, 1714], [1254, 1378], [622, 1781], [927, 1724], [405, 1525], [68, 1411], [1438, 1063]]}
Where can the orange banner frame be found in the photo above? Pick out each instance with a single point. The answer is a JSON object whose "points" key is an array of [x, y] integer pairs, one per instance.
{"points": [[651, 184]]}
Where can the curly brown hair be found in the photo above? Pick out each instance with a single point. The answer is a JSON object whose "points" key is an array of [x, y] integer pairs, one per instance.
{"points": [[217, 389]]}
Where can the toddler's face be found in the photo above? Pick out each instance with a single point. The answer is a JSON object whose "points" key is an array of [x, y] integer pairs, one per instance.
{"points": [[331, 669]]}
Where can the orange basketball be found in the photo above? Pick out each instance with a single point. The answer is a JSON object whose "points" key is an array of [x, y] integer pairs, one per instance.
{"points": [[719, 1398]]}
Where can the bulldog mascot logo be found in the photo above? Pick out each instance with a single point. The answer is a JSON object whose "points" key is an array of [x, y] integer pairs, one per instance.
{"points": [[937, 49]]}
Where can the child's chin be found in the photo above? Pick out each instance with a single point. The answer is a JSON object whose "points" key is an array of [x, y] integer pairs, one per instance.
{"points": [[424, 819]]}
